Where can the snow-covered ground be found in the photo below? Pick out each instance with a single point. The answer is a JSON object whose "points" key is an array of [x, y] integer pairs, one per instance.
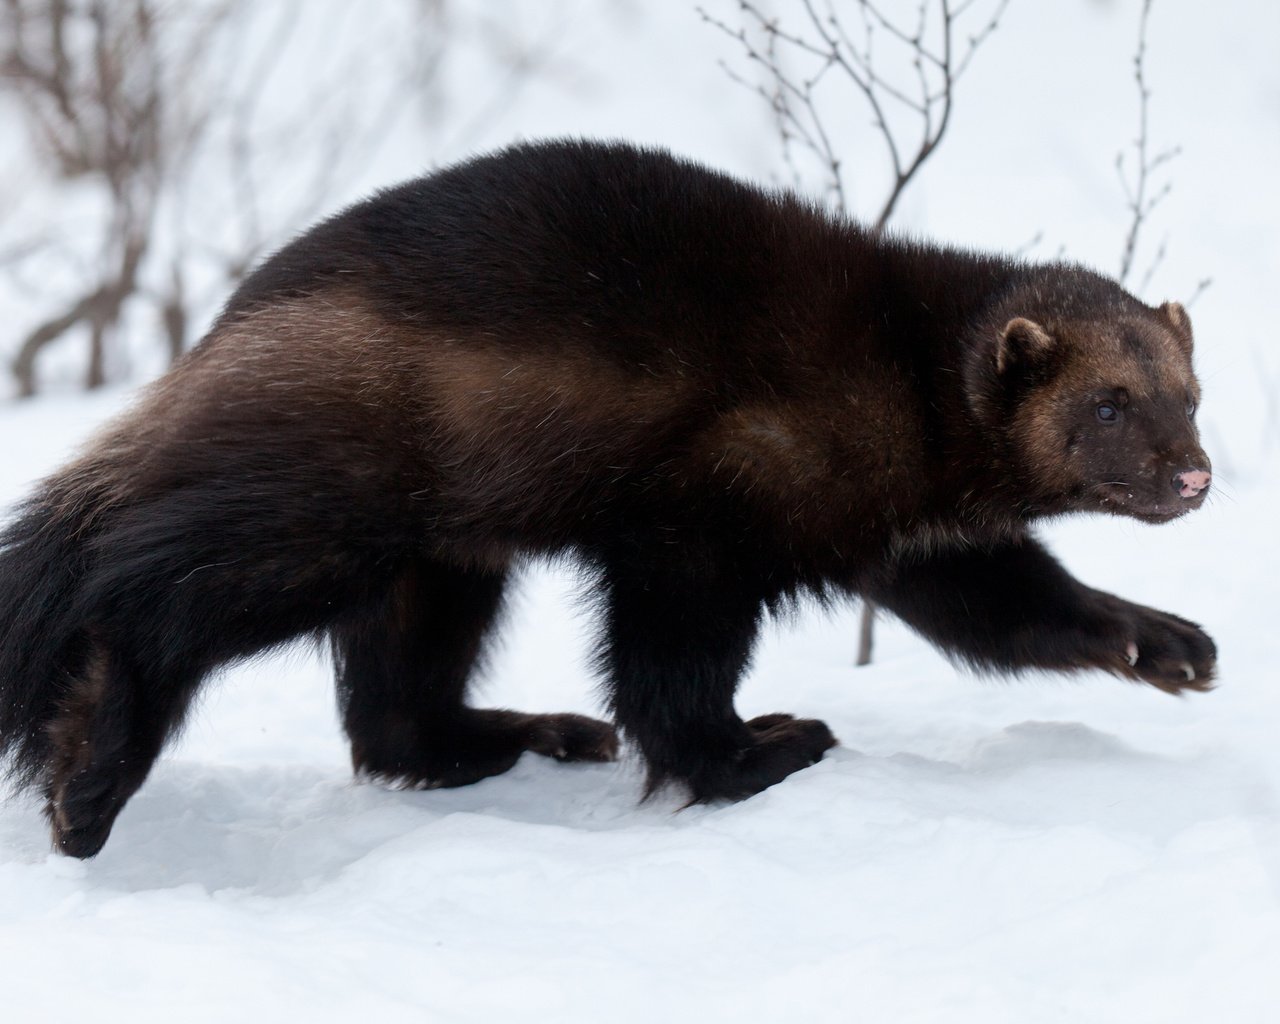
{"points": [[975, 850]]}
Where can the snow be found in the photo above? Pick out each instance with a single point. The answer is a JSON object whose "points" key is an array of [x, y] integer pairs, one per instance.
{"points": [[975, 850]]}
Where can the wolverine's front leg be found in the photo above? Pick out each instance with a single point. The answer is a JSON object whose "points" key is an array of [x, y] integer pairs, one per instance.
{"points": [[676, 641], [1013, 607]]}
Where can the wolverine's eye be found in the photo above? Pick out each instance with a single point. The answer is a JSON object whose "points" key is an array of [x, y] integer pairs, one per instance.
{"points": [[1191, 410], [1107, 412]]}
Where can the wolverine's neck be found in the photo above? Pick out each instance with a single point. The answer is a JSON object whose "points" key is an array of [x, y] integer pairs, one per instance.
{"points": [[930, 305]]}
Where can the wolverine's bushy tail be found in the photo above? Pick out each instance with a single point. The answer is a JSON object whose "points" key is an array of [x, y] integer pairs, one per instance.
{"points": [[41, 560]]}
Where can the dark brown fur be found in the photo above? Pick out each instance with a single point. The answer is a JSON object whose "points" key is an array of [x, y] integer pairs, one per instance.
{"points": [[71, 737], [717, 399]]}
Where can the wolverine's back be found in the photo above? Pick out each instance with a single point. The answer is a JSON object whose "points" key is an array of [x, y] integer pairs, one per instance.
{"points": [[610, 241]]}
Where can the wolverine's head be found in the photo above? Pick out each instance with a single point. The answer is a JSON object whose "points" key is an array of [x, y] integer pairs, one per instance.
{"points": [[1096, 400]]}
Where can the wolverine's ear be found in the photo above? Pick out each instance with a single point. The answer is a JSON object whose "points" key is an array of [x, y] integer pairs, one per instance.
{"points": [[1022, 342], [1175, 315]]}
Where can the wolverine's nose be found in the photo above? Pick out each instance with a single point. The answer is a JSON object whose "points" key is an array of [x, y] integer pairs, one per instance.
{"points": [[1191, 482]]}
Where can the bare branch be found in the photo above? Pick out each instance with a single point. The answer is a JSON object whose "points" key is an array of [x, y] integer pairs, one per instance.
{"points": [[1142, 194], [90, 80], [1138, 171], [866, 633], [805, 62], [51, 330]]}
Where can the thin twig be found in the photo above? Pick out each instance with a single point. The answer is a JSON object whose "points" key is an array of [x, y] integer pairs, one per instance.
{"points": [[804, 60], [1142, 193]]}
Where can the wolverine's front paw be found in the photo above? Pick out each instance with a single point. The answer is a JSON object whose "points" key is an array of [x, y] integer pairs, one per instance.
{"points": [[1162, 649]]}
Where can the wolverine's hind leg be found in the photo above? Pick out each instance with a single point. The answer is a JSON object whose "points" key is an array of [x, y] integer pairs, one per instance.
{"points": [[108, 732], [403, 665]]}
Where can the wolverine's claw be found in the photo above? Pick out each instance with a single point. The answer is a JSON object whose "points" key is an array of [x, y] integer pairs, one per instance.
{"points": [[1131, 652]]}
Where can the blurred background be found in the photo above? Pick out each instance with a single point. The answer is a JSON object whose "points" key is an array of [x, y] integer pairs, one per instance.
{"points": [[151, 152]]}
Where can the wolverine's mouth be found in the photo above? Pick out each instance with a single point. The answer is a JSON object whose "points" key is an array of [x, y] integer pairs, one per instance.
{"points": [[1154, 514], [1119, 498]]}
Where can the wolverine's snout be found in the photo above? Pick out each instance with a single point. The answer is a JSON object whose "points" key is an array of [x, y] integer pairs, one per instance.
{"points": [[1190, 483]]}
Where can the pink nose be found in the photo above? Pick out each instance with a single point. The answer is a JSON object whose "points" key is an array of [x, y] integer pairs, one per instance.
{"points": [[1191, 482]]}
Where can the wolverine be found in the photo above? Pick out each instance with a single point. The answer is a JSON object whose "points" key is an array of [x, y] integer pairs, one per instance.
{"points": [[717, 399]]}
